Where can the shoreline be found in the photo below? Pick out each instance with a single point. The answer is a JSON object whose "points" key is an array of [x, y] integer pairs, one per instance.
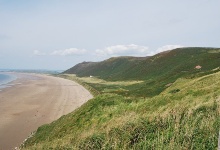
{"points": [[5, 83], [34, 100]]}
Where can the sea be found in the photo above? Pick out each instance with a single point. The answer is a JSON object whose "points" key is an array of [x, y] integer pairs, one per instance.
{"points": [[5, 79]]}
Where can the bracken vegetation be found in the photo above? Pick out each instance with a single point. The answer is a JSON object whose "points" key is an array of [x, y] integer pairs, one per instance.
{"points": [[183, 114]]}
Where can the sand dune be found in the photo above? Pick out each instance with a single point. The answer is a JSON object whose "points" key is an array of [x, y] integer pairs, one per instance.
{"points": [[35, 100]]}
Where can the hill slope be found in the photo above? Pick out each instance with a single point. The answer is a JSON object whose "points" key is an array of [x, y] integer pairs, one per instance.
{"points": [[156, 72], [171, 63], [184, 116]]}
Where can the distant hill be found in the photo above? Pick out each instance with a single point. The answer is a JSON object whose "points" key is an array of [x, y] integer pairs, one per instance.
{"points": [[157, 72], [112, 68], [177, 62]]}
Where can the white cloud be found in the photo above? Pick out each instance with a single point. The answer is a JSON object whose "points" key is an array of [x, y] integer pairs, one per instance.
{"points": [[112, 51], [70, 51], [38, 53], [167, 47], [125, 50]]}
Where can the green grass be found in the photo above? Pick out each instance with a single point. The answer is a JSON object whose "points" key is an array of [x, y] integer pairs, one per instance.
{"points": [[177, 131], [185, 115], [98, 86]]}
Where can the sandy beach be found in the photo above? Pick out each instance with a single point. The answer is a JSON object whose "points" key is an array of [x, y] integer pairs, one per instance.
{"points": [[34, 100]]}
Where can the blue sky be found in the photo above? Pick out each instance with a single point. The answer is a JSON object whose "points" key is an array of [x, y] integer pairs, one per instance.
{"points": [[55, 34]]}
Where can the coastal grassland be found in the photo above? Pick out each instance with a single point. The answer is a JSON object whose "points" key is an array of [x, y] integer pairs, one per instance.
{"points": [[128, 88], [100, 86], [155, 72], [134, 88], [186, 115]]}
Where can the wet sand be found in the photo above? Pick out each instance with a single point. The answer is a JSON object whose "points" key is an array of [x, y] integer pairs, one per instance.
{"points": [[32, 101]]}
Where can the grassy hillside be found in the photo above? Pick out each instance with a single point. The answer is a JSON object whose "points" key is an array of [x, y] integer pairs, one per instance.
{"points": [[184, 116], [178, 62], [156, 72], [168, 104]]}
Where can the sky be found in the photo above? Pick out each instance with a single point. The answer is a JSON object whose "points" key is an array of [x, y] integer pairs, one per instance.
{"points": [[58, 34]]}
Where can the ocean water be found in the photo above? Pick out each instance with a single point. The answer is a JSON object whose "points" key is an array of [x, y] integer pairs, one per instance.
{"points": [[5, 79]]}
